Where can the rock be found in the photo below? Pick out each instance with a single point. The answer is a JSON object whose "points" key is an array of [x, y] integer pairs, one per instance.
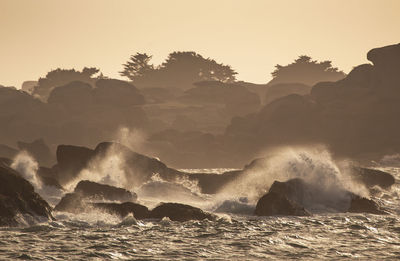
{"points": [[71, 202], [7, 152], [112, 92], [123, 209], [273, 203], [75, 97], [179, 212], [138, 168], [6, 161], [93, 190], [373, 177], [363, 205], [28, 86], [18, 198], [70, 161], [39, 150], [280, 90], [48, 177]]}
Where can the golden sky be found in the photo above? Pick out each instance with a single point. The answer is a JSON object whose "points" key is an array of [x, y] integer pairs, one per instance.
{"points": [[251, 36]]}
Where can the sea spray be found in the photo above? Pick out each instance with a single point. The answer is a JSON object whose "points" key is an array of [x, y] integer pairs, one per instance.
{"points": [[327, 183], [27, 166]]}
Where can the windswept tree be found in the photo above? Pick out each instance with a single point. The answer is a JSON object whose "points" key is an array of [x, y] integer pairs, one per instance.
{"points": [[179, 70], [137, 66], [306, 71], [61, 77]]}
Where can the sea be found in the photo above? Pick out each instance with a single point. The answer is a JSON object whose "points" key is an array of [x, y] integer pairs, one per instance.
{"points": [[235, 235]]}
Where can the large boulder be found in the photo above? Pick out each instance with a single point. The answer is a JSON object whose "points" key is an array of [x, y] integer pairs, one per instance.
{"points": [[48, 178], [19, 203], [71, 160], [373, 177], [179, 212], [96, 191], [363, 205], [112, 92], [71, 202], [280, 90], [273, 204], [39, 150]]}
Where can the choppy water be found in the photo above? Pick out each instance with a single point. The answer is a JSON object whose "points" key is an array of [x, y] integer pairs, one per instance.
{"points": [[232, 237]]}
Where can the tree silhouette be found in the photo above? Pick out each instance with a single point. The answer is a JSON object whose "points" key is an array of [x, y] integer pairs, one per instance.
{"points": [[307, 71], [137, 66], [179, 70], [59, 77]]}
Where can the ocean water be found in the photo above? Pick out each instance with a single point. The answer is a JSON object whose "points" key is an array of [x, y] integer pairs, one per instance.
{"points": [[100, 236]]}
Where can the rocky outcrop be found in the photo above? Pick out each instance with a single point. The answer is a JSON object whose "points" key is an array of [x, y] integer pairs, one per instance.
{"points": [[70, 161], [48, 177], [299, 198], [39, 150], [19, 203], [71, 202], [179, 212], [96, 191], [373, 177], [363, 205], [280, 90], [273, 204]]}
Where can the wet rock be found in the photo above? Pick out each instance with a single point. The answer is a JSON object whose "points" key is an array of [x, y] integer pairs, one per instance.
{"points": [[373, 177], [179, 212], [363, 205], [71, 160], [123, 209], [39, 150], [273, 203], [17, 197], [93, 190], [48, 177], [71, 202]]}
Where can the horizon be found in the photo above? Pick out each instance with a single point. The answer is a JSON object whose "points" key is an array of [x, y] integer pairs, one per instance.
{"points": [[247, 39]]}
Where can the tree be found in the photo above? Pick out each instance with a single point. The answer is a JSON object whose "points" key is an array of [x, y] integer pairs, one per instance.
{"points": [[59, 77], [179, 70], [137, 66], [306, 71]]}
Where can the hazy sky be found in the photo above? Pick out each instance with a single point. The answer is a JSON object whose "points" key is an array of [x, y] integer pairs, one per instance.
{"points": [[251, 36]]}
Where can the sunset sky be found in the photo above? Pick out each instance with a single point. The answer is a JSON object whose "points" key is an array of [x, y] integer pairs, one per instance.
{"points": [[251, 36]]}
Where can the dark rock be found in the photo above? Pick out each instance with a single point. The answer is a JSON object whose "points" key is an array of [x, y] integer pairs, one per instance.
{"points": [[123, 209], [75, 96], [17, 197], [48, 177], [138, 168], [7, 152], [273, 203], [179, 212], [373, 177], [39, 150], [280, 90], [71, 160], [6, 161], [71, 202], [363, 205], [93, 190], [112, 92]]}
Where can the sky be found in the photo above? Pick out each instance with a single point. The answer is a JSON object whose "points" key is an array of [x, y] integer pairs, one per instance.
{"points": [[252, 36]]}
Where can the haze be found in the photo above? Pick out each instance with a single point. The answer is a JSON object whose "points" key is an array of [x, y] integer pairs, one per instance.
{"points": [[252, 37]]}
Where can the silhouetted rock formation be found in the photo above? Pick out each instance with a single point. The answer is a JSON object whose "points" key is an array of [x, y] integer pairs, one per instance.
{"points": [[70, 161], [356, 116], [296, 197], [280, 90], [48, 177], [93, 190], [273, 204], [39, 150], [124, 209], [363, 205], [212, 183], [7, 152], [71, 202], [179, 212], [236, 98], [373, 177], [19, 203]]}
